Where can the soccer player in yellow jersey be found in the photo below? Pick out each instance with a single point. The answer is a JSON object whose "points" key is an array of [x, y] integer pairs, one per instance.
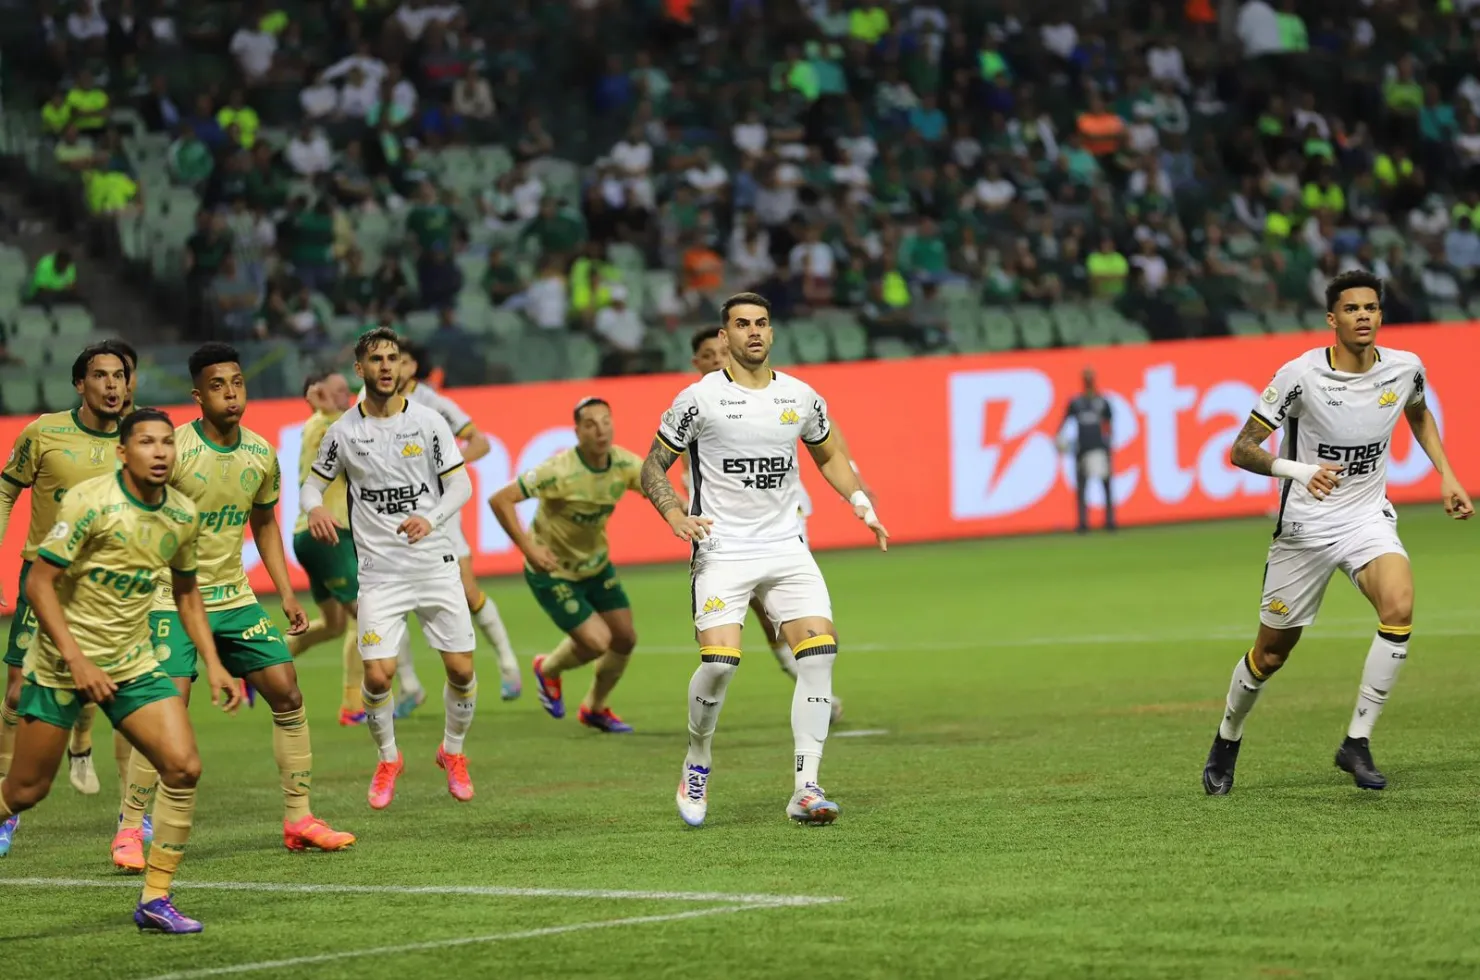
{"points": [[333, 573], [566, 561], [711, 354], [53, 454], [91, 588], [232, 475]]}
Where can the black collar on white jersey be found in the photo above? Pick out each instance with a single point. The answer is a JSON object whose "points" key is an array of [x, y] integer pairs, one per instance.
{"points": [[1331, 357], [405, 406], [731, 378]]}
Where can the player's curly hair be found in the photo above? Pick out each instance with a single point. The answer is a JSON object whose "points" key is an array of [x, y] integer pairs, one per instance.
{"points": [[373, 338], [137, 418], [209, 355], [1351, 279], [104, 349]]}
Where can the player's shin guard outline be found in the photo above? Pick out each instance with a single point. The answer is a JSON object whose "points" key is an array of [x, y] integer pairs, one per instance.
{"points": [[811, 703], [173, 815], [380, 718], [10, 719], [293, 751], [459, 703], [706, 697], [142, 780], [1385, 657]]}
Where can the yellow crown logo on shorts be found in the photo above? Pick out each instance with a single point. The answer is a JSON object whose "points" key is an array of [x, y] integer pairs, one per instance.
{"points": [[370, 638], [410, 449], [789, 417], [713, 604], [1387, 399], [1278, 607]]}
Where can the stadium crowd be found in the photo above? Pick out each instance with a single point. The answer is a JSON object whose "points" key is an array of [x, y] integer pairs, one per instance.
{"points": [[580, 179]]}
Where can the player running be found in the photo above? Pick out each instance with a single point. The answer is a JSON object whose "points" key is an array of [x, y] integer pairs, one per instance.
{"points": [[416, 368], [333, 577], [55, 452], [406, 482], [567, 564], [1338, 406], [232, 475], [91, 591], [740, 426], [711, 353]]}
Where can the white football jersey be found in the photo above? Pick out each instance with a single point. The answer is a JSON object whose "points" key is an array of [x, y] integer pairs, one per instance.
{"points": [[742, 449], [1332, 416], [460, 422], [393, 468]]}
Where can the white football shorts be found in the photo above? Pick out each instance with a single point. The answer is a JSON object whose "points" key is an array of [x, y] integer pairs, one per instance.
{"points": [[788, 583], [460, 546], [1095, 465], [1298, 570], [436, 598]]}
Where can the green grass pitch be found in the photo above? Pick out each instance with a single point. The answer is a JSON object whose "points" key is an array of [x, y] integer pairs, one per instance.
{"points": [[1028, 806]]}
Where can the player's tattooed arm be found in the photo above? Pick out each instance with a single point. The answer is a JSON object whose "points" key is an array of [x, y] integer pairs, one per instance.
{"points": [[1248, 451], [655, 482]]}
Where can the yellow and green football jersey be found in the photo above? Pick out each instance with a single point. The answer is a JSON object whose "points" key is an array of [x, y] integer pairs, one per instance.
{"points": [[53, 454], [575, 504], [226, 483], [334, 497], [114, 550]]}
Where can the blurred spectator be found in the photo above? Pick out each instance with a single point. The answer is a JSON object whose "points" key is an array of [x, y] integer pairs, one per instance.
{"points": [[452, 347], [235, 301], [309, 152], [53, 280], [620, 331]]}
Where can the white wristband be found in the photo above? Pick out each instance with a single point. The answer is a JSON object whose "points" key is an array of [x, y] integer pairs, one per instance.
{"points": [[854, 467], [1289, 469], [859, 499]]}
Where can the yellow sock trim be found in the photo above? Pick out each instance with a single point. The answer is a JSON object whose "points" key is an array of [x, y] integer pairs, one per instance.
{"points": [[478, 603], [1399, 630], [812, 643], [373, 701], [173, 814], [293, 752], [465, 692], [719, 651], [1249, 662]]}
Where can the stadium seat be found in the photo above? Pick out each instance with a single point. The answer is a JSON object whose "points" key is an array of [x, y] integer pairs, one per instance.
{"points": [[1286, 321], [1035, 326], [420, 324], [31, 321], [1242, 323], [1449, 313], [19, 394], [57, 393], [999, 330], [783, 348], [583, 357], [809, 341], [849, 340], [32, 350], [890, 349]]}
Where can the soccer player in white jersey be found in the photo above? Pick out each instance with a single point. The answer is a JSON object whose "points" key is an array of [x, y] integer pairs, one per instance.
{"points": [[740, 426], [416, 368], [1338, 406], [711, 353], [405, 482]]}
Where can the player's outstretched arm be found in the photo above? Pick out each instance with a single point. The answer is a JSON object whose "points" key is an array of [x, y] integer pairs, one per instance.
{"points": [[660, 493], [1426, 433], [192, 610], [837, 469], [269, 537], [41, 593], [1248, 453]]}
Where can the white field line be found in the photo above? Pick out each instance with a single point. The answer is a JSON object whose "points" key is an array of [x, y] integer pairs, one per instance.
{"points": [[436, 944], [483, 891]]}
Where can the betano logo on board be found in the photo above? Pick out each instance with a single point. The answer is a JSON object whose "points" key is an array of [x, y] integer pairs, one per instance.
{"points": [[953, 447]]}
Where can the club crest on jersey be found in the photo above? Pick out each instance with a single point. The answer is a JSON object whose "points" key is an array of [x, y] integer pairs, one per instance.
{"points": [[1277, 607], [410, 450], [168, 545], [1270, 396], [1387, 399], [250, 480], [789, 416], [713, 604]]}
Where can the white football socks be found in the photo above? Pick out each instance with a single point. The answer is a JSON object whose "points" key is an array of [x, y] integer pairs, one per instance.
{"points": [[406, 668], [380, 718], [784, 658], [1385, 658], [459, 703], [706, 698], [811, 704], [492, 626], [1243, 691]]}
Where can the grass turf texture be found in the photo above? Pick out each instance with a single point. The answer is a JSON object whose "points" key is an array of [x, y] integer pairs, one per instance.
{"points": [[1034, 809]]}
